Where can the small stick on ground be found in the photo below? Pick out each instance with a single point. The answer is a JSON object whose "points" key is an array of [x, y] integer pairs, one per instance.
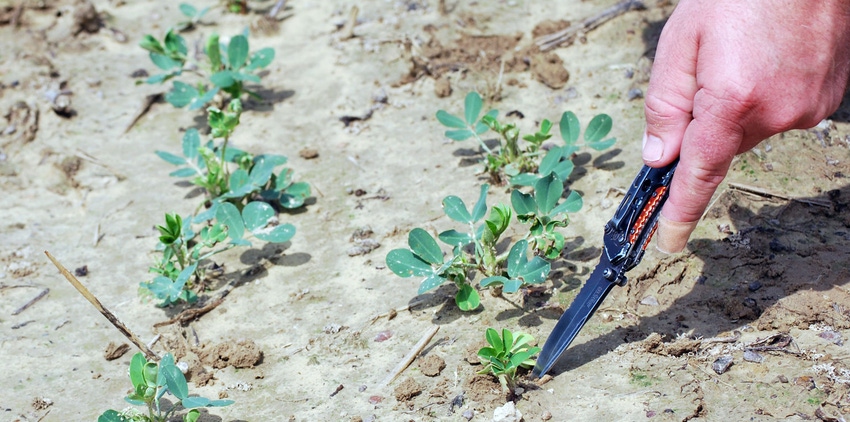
{"points": [[408, 359], [347, 31], [276, 9], [105, 312], [146, 106], [34, 300], [567, 36], [757, 191], [395, 311]]}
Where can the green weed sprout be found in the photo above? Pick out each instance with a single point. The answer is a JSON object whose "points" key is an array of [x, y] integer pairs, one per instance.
{"points": [[229, 66], [521, 161], [192, 14], [150, 383], [506, 354], [542, 210]]}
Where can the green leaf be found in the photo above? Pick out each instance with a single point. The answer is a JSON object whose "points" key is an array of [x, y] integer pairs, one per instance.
{"points": [[240, 185], [171, 158], [496, 279], [110, 416], [512, 286], [191, 143], [137, 368], [547, 191], [570, 128], [158, 78], [164, 62], [192, 415], [188, 10], [550, 161], [263, 168], [459, 135], [455, 238], [525, 179], [175, 381], [499, 219], [193, 402], [523, 203], [425, 246], [261, 59], [181, 94], [223, 79], [602, 145], [456, 209], [450, 120], [228, 214], [519, 358], [480, 208], [481, 127], [517, 258], [242, 76], [151, 44], [472, 108], [535, 271], [485, 353], [403, 263], [151, 374], [276, 234], [430, 282], [220, 403], [237, 52], [175, 44], [495, 341], [573, 204], [184, 172], [598, 128], [257, 215], [200, 101], [563, 170], [467, 298], [213, 50]]}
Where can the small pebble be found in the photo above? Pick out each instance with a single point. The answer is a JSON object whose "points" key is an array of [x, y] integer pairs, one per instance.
{"points": [[754, 286], [375, 399], [634, 94], [546, 415], [751, 356], [468, 414], [383, 336], [649, 301], [650, 413], [832, 336], [362, 388], [722, 364]]}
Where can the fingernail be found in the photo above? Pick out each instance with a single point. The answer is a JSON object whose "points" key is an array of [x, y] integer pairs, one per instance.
{"points": [[653, 148], [672, 236]]}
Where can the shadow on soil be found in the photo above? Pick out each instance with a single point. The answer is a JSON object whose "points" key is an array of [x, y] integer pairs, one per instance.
{"points": [[786, 248]]}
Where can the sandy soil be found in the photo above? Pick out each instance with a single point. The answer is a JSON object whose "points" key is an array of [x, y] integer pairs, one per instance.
{"points": [[764, 279]]}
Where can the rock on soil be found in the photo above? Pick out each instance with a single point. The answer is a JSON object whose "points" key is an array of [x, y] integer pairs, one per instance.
{"points": [[507, 413]]}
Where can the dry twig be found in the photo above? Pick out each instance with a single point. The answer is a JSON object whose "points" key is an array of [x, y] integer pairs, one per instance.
{"points": [[34, 300], [568, 36], [105, 312], [408, 358]]}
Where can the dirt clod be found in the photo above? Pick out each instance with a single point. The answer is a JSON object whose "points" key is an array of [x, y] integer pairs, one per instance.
{"points": [[550, 70], [442, 87], [308, 153], [85, 18], [241, 354], [114, 351], [407, 390], [431, 365]]}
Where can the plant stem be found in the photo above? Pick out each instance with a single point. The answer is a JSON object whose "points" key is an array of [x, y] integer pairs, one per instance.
{"points": [[481, 142]]}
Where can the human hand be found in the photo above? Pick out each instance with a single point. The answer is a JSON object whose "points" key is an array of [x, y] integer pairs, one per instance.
{"points": [[729, 74]]}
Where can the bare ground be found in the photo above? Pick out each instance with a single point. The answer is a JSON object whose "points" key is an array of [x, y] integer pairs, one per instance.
{"points": [[764, 279]]}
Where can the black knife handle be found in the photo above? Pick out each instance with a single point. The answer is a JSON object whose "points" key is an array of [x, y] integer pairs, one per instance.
{"points": [[628, 233]]}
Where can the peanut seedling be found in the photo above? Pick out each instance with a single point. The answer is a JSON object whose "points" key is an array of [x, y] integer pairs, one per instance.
{"points": [[507, 354], [152, 381]]}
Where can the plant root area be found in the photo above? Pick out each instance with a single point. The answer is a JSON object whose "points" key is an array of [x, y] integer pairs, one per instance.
{"points": [[749, 323]]}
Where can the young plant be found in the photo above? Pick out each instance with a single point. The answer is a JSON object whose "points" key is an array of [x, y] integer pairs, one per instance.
{"points": [[192, 14], [254, 177], [228, 67], [542, 210], [425, 259], [521, 161], [241, 192], [150, 383], [520, 270], [506, 354]]}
